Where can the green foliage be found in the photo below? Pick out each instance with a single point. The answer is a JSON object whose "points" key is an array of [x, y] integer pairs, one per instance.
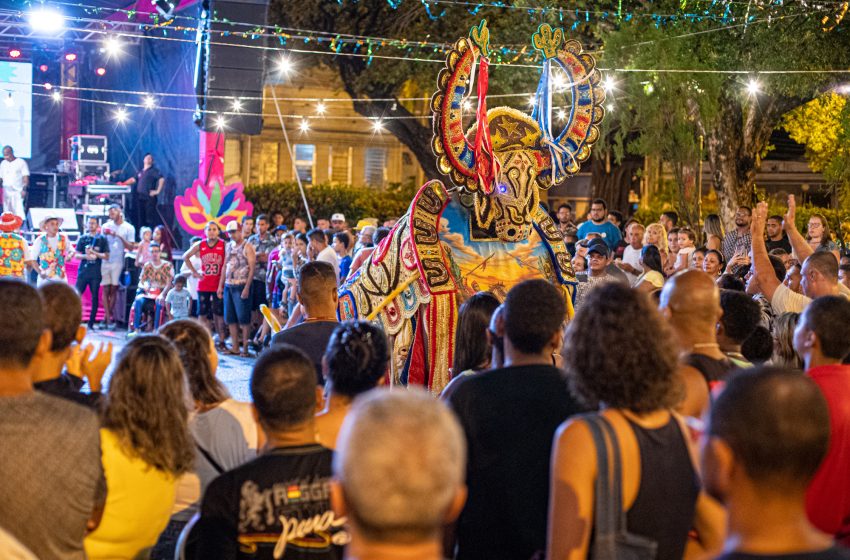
{"points": [[823, 126], [355, 202], [664, 113], [412, 19]]}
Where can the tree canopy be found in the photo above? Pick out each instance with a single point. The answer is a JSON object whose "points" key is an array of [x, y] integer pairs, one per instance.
{"points": [[684, 71]]}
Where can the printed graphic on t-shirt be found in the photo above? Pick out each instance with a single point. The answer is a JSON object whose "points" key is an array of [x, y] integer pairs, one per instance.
{"points": [[293, 515]]}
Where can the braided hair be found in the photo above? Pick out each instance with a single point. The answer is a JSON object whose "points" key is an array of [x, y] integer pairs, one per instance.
{"points": [[356, 357]]}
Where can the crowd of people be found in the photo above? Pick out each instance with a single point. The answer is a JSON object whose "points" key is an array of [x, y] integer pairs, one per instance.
{"points": [[718, 428], [223, 278]]}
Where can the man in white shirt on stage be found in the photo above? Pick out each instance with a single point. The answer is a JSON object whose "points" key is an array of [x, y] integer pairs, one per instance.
{"points": [[15, 178]]}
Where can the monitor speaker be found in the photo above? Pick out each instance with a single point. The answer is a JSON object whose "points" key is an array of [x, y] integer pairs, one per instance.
{"points": [[230, 67]]}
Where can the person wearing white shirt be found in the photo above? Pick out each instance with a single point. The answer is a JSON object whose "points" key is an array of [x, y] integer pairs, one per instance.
{"points": [[630, 264], [15, 178], [120, 235], [324, 252]]}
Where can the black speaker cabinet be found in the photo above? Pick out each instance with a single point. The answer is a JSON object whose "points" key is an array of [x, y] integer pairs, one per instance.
{"points": [[230, 68]]}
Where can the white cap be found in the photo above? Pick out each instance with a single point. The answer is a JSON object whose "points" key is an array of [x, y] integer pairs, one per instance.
{"points": [[338, 217]]}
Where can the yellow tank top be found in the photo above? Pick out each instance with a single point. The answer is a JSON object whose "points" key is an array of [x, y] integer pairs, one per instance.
{"points": [[139, 500]]}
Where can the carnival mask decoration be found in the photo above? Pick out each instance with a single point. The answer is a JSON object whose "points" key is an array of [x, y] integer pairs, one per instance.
{"points": [[505, 157]]}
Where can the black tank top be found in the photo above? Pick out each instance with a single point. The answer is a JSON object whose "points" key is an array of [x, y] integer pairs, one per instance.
{"points": [[710, 368], [664, 508]]}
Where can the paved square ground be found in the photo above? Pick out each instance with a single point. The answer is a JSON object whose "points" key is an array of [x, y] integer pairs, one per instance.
{"points": [[234, 372]]}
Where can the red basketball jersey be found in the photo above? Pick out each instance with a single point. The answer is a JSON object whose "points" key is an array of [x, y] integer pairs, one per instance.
{"points": [[212, 265]]}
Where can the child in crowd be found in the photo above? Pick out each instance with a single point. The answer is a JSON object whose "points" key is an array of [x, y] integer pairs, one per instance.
{"points": [[143, 249], [686, 241], [342, 242], [178, 302]]}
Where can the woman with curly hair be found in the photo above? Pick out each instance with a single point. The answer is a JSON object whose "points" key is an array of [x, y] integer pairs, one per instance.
{"points": [[145, 446], [636, 388], [224, 431], [784, 354], [355, 361], [656, 235]]}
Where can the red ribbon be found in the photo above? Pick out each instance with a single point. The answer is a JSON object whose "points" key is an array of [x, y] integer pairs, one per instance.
{"points": [[486, 164]]}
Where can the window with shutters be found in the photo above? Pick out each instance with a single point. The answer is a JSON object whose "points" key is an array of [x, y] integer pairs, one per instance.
{"points": [[376, 167], [305, 161]]}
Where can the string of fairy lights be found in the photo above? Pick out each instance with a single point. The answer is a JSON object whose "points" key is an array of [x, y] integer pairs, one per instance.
{"points": [[48, 20]]}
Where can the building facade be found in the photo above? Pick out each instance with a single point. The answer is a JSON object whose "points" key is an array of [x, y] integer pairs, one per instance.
{"points": [[336, 145]]}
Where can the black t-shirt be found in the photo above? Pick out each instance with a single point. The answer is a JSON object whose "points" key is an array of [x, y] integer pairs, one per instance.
{"points": [[98, 243], [509, 416], [312, 337], [147, 181], [244, 511], [783, 243], [68, 387], [833, 553]]}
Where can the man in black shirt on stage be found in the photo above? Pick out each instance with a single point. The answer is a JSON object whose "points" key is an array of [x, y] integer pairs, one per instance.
{"points": [[92, 249], [510, 416], [149, 183], [278, 505]]}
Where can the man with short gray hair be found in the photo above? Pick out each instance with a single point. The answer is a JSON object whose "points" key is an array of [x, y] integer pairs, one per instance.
{"points": [[400, 466]]}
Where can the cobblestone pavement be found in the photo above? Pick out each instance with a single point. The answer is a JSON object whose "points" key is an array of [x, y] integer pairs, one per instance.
{"points": [[234, 372]]}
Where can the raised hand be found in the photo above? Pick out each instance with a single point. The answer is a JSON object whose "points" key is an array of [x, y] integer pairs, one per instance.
{"points": [[759, 220], [94, 363], [788, 222]]}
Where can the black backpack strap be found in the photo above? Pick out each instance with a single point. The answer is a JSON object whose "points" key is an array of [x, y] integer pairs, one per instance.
{"points": [[617, 480], [604, 518], [218, 468]]}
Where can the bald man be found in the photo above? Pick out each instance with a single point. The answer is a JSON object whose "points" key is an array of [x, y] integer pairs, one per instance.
{"points": [[690, 301]]}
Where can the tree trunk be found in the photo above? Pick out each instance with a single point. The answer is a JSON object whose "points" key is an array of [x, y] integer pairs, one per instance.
{"points": [[612, 181], [735, 144], [687, 204]]}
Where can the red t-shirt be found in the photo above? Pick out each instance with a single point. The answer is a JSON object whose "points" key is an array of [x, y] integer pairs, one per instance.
{"points": [[212, 265], [828, 496]]}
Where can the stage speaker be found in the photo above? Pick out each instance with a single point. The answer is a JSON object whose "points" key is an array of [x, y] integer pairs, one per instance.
{"points": [[228, 71], [41, 188]]}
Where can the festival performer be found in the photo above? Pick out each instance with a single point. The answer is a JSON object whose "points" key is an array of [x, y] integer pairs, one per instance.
{"points": [[14, 251], [487, 230], [211, 251], [14, 178], [51, 250]]}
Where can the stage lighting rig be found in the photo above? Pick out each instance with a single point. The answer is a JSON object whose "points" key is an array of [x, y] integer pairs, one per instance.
{"points": [[47, 21]]}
